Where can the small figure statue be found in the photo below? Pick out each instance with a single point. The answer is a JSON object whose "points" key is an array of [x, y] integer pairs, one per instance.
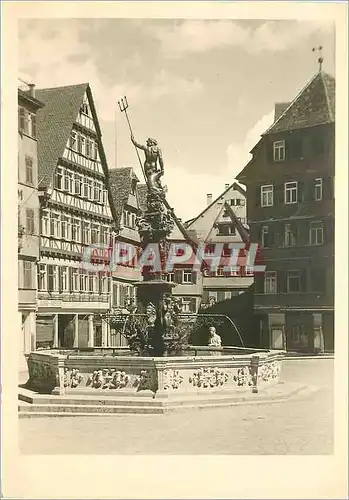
{"points": [[153, 156], [215, 340]]}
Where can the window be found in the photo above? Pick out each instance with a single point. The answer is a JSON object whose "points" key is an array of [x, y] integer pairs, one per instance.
{"points": [[95, 233], [33, 120], [30, 223], [59, 178], [293, 281], [68, 181], [290, 238], [187, 276], [27, 274], [298, 336], [55, 225], [97, 191], [279, 151], [270, 284], [105, 196], [96, 150], [66, 227], [170, 277], [52, 281], [266, 237], [78, 184], [45, 223], [89, 146], [86, 232], [29, 170], [316, 233], [81, 144], [63, 279], [88, 189], [72, 141], [74, 279], [291, 189], [22, 120], [318, 189], [42, 277], [75, 230], [84, 108], [105, 235], [267, 195]]}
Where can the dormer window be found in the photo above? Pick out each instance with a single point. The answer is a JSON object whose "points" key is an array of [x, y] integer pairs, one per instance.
{"points": [[133, 186], [84, 109], [279, 150]]}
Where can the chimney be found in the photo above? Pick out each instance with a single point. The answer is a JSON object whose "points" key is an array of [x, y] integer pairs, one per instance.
{"points": [[209, 199], [280, 107], [31, 89], [226, 186]]}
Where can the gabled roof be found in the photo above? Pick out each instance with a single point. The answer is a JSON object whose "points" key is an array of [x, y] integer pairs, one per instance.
{"points": [[235, 186], [314, 105], [120, 182], [54, 124], [204, 225]]}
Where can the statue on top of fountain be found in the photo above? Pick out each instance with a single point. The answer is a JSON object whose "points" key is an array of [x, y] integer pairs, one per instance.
{"points": [[153, 157]]}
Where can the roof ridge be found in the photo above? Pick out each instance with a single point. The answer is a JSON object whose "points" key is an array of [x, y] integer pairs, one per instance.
{"points": [[326, 94], [40, 89], [291, 103]]}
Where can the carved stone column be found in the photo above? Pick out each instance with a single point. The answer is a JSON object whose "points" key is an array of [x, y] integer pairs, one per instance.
{"points": [[90, 341], [76, 331]]}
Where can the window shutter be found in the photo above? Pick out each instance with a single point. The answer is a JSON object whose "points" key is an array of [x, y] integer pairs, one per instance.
{"points": [[193, 304], [178, 276], [259, 284], [301, 192], [310, 190], [194, 277], [328, 188]]}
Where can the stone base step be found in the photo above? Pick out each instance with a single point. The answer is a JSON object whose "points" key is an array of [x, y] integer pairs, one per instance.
{"points": [[61, 406]]}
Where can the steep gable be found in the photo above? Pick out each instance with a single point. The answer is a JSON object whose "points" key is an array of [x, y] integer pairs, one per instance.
{"points": [[54, 124], [314, 105]]}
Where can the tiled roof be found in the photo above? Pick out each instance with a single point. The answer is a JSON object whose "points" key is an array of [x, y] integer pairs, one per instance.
{"points": [[120, 182], [54, 124], [142, 196], [314, 105]]}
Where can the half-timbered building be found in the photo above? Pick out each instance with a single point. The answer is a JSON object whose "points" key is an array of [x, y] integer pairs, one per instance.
{"points": [[76, 221]]}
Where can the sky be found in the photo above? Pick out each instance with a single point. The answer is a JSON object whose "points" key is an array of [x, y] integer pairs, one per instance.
{"points": [[204, 89]]}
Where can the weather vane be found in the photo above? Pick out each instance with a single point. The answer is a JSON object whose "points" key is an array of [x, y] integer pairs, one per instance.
{"points": [[320, 59]]}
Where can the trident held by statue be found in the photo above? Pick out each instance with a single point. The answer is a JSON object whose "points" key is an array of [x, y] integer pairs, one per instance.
{"points": [[123, 105]]}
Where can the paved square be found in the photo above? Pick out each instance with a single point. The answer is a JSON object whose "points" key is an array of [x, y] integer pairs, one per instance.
{"points": [[296, 427]]}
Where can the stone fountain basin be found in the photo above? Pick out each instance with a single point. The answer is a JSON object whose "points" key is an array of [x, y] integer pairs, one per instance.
{"points": [[198, 371]]}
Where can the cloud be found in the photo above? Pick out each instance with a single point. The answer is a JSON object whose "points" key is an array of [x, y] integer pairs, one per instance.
{"points": [[239, 152], [197, 36], [51, 57]]}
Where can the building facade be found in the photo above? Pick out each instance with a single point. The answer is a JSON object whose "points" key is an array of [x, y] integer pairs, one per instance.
{"points": [[222, 222], [28, 216], [290, 209], [76, 221]]}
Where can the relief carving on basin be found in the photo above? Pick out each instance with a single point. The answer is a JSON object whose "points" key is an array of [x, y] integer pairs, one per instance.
{"points": [[208, 377]]}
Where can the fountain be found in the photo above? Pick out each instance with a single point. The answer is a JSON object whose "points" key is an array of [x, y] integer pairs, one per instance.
{"points": [[162, 370]]}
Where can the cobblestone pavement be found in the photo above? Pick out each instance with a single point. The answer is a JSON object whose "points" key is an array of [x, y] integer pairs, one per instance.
{"points": [[294, 427]]}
